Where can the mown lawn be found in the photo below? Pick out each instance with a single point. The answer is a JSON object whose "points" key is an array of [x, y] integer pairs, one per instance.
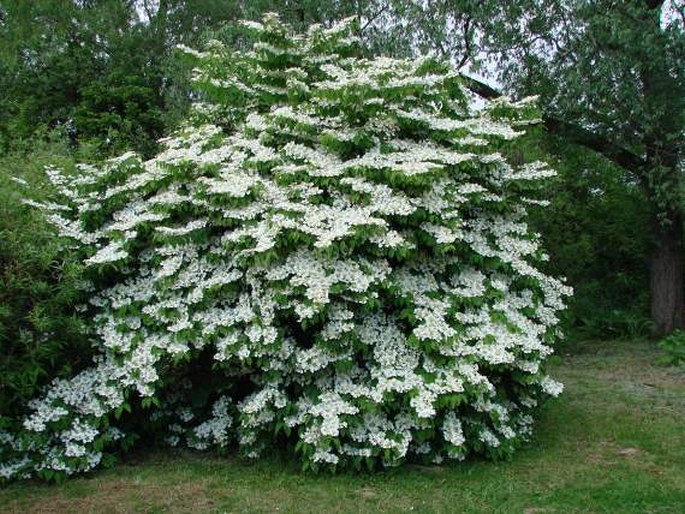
{"points": [[615, 442]]}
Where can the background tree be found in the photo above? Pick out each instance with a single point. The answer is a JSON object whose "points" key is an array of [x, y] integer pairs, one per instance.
{"points": [[83, 68], [610, 76], [102, 71]]}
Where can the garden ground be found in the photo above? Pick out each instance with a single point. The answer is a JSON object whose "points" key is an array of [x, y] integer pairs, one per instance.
{"points": [[614, 442]]}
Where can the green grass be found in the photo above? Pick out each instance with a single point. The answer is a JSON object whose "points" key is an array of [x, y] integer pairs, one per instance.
{"points": [[615, 442]]}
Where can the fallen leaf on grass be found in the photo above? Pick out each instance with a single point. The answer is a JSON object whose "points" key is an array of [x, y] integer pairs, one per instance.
{"points": [[629, 452]]}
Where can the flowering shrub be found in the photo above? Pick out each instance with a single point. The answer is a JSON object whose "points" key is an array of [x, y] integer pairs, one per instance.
{"points": [[344, 240]]}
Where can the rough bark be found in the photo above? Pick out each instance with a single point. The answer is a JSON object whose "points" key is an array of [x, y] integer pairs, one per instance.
{"points": [[666, 276]]}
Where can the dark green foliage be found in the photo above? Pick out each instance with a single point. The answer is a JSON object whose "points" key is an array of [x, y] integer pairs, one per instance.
{"points": [[594, 232], [41, 336], [51, 52], [102, 72], [119, 112], [673, 348]]}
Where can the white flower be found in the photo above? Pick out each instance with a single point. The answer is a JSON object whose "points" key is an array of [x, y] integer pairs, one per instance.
{"points": [[551, 387], [354, 258], [452, 431]]}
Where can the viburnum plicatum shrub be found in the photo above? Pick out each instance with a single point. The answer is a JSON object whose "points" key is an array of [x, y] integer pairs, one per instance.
{"points": [[336, 245]]}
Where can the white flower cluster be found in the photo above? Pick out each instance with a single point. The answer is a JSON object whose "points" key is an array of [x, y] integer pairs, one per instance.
{"points": [[214, 431], [352, 257]]}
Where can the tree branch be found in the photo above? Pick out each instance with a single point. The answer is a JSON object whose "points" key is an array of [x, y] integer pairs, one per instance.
{"points": [[467, 43], [580, 136], [373, 17], [481, 88], [572, 133]]}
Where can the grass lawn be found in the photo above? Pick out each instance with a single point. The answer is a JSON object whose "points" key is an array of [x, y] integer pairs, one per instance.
{"points": [[614, 442]]}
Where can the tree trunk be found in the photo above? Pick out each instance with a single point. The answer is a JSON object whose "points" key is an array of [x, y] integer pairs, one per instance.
{"points": [[666, 276]]}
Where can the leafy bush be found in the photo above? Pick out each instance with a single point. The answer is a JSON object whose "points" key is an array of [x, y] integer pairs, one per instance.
{"points": [[333, 256], [40, 336], [673, 347]]}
